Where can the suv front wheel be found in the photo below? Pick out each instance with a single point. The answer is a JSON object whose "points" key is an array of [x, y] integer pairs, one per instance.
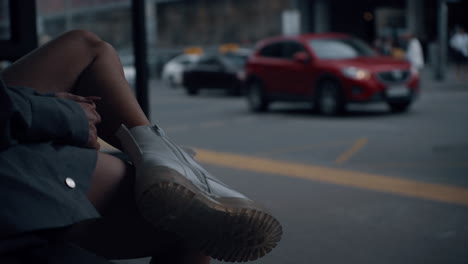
{"points": [[192, 90], [399, 107], [330, 98], [256, 97]]}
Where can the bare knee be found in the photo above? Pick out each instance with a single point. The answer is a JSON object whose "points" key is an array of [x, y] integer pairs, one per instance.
{"points": [[83, 36], [89, 40]]}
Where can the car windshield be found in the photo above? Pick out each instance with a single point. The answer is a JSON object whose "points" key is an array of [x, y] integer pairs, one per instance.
{"points": [[185, 62], [345, 48], [236, 60]]}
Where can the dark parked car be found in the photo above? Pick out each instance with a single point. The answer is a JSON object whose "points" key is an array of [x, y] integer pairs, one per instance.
{"points": [[216, 71], [330, 70]]}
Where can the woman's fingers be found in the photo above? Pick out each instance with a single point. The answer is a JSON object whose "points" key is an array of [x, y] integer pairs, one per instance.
{"points": [[93, 98], [93, 119], [89, 107], [72, 97], [93, 138], [78, 98]]}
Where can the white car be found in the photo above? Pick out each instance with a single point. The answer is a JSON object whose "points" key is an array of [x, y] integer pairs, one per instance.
{"points": [[127, 61], [173, 71]]}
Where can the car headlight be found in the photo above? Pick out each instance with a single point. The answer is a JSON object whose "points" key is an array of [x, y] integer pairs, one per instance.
{"points": [[356, 73]]}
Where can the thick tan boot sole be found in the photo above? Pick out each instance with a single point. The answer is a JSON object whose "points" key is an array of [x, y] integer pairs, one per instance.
{"points": [[226, 229]]}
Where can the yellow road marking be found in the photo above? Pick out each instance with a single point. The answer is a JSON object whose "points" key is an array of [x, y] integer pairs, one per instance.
{"points": [[434, 164], [345, 156], [430, 191], [304, 147], [374, 182]]}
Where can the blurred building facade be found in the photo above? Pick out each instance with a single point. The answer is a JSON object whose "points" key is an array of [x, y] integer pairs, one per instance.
{"points": [[245, 21], [211, 22], [173, 25], [110, 19]]}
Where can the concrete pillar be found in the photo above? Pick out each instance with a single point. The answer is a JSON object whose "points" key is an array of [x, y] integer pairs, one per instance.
{"points": [[294, 4], [140, 50], [291, 19], [321, 16], [68, 15], [304, 8], [415, 17], [151, 33], [442, 21], [151, 23]]}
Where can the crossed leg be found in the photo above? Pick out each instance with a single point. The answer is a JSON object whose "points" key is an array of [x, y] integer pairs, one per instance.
{"points": [[79, 62]]}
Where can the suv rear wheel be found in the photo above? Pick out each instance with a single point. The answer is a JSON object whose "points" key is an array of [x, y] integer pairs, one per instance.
{"points": [[234, 89], [330, 98], [256, 97], [191, 90]]}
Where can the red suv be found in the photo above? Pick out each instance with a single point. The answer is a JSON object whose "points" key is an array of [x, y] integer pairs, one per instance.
{"points": [[330, 70]]}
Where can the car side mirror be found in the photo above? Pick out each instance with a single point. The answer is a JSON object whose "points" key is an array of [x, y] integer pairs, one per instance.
{"points": [[302, 57]]}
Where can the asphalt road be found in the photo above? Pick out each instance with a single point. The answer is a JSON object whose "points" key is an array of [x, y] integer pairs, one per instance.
{"points": [[367, 187]]}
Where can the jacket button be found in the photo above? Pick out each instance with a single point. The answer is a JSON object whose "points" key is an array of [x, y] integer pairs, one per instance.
{"points": [[70, 183]]}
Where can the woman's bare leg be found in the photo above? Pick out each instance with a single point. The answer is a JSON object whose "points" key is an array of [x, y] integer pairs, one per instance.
{"points": [[121, 233], [79, 62]]}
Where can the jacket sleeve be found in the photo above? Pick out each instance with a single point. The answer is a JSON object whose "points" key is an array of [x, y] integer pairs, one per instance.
{"points": [[29, 116]]}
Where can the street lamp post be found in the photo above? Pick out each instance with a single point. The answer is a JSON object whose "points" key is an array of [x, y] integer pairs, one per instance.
{"points": [[442, 40], [139, 47]]}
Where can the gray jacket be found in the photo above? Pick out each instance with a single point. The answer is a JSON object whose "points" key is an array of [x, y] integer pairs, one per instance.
{"points": [[41, 148]]}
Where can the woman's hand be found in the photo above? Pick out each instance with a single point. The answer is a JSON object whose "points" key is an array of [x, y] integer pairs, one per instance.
{"points": [[93, 119], [77, 98], [89, 107]]}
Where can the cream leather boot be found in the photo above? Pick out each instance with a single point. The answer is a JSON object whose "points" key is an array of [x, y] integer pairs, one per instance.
{"points": [[175, 193]]}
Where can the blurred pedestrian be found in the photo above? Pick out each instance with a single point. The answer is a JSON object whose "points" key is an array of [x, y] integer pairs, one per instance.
{"points": [[384, 45], [414, 53], [387, 46], [459, 45]]}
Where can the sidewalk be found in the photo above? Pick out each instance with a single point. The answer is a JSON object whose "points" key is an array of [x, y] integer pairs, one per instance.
{"points": [[450, 83]]}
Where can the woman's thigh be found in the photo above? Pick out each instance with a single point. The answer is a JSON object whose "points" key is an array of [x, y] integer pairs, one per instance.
{"points": [[111, 187], [121, 233], [57, 65]]}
